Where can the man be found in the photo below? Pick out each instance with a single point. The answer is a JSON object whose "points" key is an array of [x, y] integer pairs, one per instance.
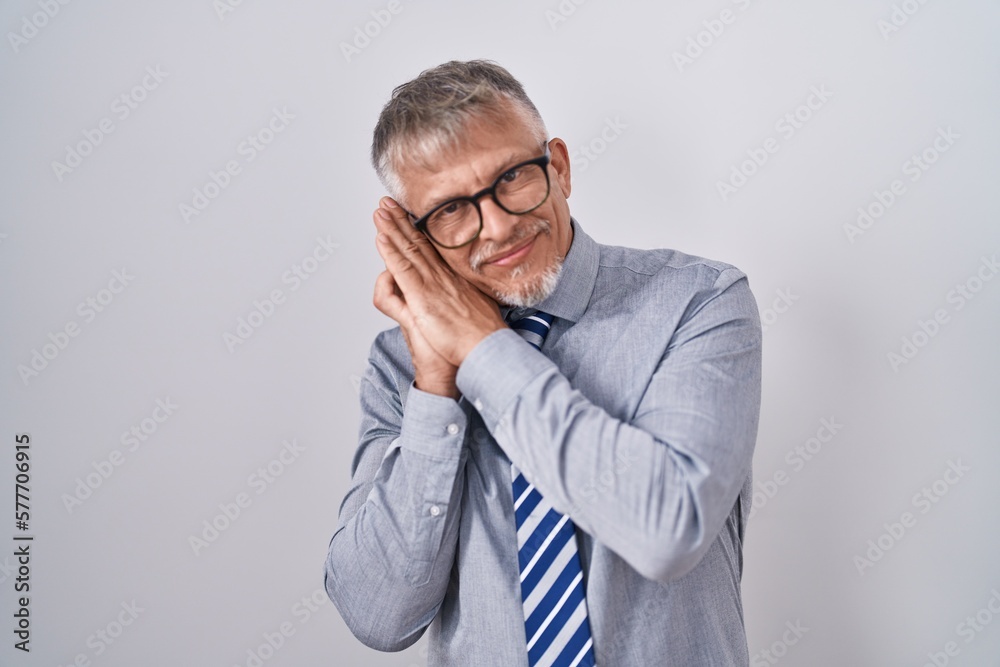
{"points": [[537, 375]]}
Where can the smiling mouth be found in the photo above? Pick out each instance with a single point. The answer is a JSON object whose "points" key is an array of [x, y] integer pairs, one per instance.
{"points": [[515, 254]]}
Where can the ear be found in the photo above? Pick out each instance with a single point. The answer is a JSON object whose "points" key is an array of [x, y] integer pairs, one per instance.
{"points": [[559, 162]]}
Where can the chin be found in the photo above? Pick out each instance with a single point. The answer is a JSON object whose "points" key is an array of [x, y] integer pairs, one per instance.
{"points": [[531, 290]]}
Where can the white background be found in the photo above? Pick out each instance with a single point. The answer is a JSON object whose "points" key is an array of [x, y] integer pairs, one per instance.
{"points": [[846, 304]]}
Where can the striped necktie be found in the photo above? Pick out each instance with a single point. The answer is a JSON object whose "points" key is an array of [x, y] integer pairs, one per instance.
{"points": [[555, 609]]}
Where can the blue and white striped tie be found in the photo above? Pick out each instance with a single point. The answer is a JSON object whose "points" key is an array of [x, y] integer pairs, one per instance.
{"points": [[555, 609]]}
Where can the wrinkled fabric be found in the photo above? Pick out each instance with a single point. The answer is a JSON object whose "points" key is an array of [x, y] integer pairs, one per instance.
{"points": [[638, 418]]}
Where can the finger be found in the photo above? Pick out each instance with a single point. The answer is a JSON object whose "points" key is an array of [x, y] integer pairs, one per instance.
{"points": [[401, 221], [398, 216], [388, 298], [403, 256], [390, 204], [392, 207], [378, 245]]}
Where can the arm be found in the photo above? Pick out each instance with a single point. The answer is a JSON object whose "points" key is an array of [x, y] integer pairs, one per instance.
{"points": [[675, 469], [390, 558]]}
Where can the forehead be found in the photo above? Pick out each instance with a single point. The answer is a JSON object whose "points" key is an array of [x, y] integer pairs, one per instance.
{"points": [[485, 148]]}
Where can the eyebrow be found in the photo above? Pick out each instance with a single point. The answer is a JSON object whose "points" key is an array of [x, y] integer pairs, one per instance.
{"points": [[509, 161]]}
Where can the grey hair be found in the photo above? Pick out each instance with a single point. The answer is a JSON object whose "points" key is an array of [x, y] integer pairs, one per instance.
{"points": [[428, 114]]}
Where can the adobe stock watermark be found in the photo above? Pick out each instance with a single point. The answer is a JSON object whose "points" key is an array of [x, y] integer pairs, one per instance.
{"points": [[104, 637], [778, 649], [32, 24], [796, 458], [599, 484], [58, 341], [422, 652], [899, 16], [968, 629], [363, 35], [605, 481], [701, 41], [914, 167], [356, 383], [582, 157], [248, 149], [121, 108], [132, 440], [273, 641], [783, 301], [924, 500], [787, 125], [259, 481], [264, 309], [562, 12], [225, 7], [958, 297], [6, 569]]}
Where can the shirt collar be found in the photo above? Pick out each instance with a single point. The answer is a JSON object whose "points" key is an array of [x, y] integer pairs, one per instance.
{"points": [[576, 282]]}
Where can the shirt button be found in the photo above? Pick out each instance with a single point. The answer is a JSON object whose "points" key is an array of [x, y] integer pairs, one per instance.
{"points": [[435, 510], [453, 428], [478, 404]]}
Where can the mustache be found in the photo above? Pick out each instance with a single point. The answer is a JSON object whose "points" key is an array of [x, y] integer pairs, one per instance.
{"points": [[527, 230]]}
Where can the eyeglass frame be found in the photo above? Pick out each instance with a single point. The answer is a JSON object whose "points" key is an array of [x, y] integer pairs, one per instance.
{"points": [[543, 161]]}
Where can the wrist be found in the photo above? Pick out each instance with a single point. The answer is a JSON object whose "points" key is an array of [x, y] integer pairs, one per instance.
{"points": [[439, 387]]}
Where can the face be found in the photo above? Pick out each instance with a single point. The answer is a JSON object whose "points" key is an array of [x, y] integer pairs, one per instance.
{"points": [[539, 240]]}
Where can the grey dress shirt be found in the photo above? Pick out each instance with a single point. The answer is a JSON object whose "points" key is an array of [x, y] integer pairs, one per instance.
{"points": [[638, 418]]}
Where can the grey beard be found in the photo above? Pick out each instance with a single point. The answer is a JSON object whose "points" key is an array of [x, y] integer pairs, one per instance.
{"points": [[529, 294]]}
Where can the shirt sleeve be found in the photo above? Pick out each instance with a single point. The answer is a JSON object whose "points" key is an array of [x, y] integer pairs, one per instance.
{"points": [[389, 561], [658, 488]]}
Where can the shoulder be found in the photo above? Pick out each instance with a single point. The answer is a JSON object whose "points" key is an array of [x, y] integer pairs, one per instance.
{"points": [[660, 291], [666, 268]]}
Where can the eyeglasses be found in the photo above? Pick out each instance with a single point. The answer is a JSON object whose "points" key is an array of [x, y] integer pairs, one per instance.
{"points": [[518, 190]]}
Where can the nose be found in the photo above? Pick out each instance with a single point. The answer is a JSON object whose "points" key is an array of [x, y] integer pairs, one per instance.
{"points": [[498, 224]]}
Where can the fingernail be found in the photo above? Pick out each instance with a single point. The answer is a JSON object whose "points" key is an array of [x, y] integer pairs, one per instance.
{"points": [[390, 202], [382, 213]]}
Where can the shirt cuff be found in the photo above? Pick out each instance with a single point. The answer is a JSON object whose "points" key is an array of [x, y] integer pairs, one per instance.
{"points": [[433, 425], [497, 370]]}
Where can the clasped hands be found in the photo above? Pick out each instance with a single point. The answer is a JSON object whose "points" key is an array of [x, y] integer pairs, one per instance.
{"points": [[441, 314]]}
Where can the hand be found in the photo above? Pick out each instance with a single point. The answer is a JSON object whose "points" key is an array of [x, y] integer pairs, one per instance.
{"points": [[433, 373], [450, 313]]}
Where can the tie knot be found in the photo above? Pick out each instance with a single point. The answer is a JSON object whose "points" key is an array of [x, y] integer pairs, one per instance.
{"points": [[533, 327], [529, 315]]}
